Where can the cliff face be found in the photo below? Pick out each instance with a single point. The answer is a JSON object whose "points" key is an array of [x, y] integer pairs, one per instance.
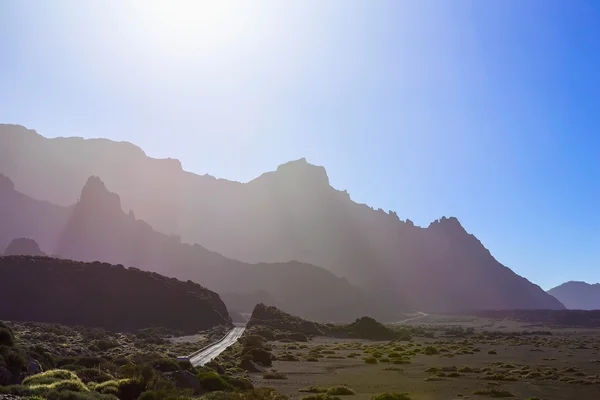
{"points": [[289, 214]]}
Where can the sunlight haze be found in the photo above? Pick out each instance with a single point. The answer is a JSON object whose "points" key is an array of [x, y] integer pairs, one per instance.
{"points": [[482, 110]]}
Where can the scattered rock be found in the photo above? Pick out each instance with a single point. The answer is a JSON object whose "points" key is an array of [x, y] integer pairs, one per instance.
{"points": [[34, 367]]}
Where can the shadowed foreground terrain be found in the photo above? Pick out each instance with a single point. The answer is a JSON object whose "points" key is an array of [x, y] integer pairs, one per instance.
{"points": [[437, 357], [98, 294]]}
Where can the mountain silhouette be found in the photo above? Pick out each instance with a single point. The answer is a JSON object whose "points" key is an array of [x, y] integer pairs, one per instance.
{"points": [[578, 295], [99, 230], [23, 247], [292, 213], [98, 294], [24, 217]]}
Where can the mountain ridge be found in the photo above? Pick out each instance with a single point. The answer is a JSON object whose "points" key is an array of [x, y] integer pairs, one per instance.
{"points": [[97, 229], [294, 214]]}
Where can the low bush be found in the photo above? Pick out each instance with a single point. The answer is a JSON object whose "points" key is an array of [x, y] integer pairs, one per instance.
{"points": [[493, 393], [256, 394], [49, 377], [392, 396], [274, 375], [211, 381], [340, 391], [287, 357], [94, 375], [319, 396], [313, 389], [7, 337]]}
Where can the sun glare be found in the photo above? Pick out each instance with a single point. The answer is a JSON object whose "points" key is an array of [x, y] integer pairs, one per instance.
{"points": [[184, 23]]}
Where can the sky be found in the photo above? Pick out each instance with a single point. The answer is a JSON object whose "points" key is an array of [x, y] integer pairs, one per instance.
{"points": [[484, 110]]}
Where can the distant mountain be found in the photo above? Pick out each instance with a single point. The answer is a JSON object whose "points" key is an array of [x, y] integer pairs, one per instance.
{"points": [[24, 217], [23, 247], [98, 294], [578, 295], [99, 230], [289, 214]]}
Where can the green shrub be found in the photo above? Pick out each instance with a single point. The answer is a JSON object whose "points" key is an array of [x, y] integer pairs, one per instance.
{"points": [[87, 362], [106, 344], [72, 385], [430, 351], [492, 352], [49, 377], [240, 383], [166, 365], [164, 394], [15, 359], [261, 356], [319, 396], [274, 375], [212, 381], [93, 375], [493, 393], [340, 391], [391, 396], [6, 336], [313, 389], [370, 360], [111, 387], [256, 394]]}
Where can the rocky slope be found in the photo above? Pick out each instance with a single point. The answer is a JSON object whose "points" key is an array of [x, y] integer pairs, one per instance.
{"points": [[289, 214], [98, 294], [578, 295]]}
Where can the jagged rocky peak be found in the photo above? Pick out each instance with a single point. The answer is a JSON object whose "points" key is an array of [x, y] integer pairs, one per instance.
{"points": [[95, 193], [451, 224], [6, 184], [302, 170], [23, 247]]}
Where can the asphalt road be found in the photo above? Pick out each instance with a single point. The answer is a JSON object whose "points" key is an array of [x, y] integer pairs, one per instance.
{"points": [[214, 350], [419, 316]]}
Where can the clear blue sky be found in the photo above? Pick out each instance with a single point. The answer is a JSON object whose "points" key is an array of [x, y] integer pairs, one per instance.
{"points": [[484, 110]]}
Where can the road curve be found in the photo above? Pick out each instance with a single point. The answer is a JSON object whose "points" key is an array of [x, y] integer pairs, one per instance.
{"points": [[213, 351]]}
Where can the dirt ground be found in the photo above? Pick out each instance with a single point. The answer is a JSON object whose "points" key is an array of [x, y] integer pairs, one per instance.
{"points": [[501, 359]]}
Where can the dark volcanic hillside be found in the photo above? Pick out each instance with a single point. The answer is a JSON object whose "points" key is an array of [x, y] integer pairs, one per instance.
{"points": [[96, 294], [578, 295], [289, 214], [100, 230]]}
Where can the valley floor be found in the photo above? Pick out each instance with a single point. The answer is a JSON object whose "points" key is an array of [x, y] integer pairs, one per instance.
{"points": [[507, 360]]}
